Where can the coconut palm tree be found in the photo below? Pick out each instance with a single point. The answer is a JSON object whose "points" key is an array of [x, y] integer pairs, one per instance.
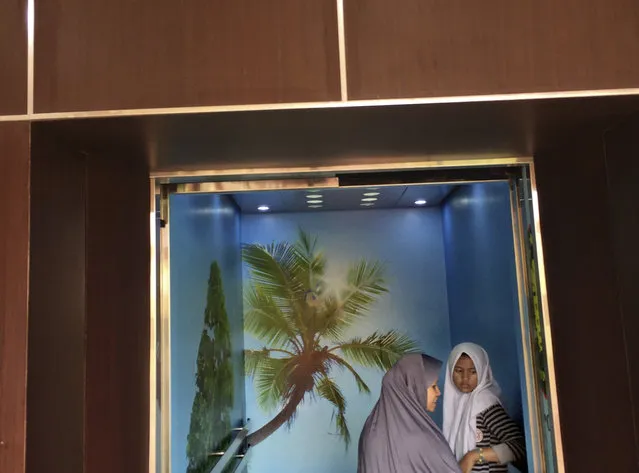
{"points": [[302, 323]]}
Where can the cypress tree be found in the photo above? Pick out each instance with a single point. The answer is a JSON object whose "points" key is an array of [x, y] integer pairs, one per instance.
{"points": [[213, 401]]}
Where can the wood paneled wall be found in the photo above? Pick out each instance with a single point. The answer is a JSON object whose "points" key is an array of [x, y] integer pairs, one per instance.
{"points": [[89, 311], [117, 311], [13, 57], [119, 54], [93, 55], [622, 167], [57, 308], [14, 270], [431, 48], [588, 330]]}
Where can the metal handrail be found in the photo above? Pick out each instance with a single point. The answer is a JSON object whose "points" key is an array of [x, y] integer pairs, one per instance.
{"points": [[243, 462], [231, 451]]}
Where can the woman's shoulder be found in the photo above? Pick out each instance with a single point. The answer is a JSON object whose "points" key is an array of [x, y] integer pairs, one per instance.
{"points": [[494, 409]]}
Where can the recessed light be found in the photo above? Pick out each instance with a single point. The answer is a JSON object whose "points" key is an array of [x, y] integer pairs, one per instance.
{"points": [[314, 206], [369, 199], [420, 202], [367, 204], [373, 188], [318, 201], [263, 208], [371, 194], [313, 196]]}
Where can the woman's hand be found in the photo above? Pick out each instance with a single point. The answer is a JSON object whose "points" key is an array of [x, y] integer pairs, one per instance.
{"points": [[469, 461]]}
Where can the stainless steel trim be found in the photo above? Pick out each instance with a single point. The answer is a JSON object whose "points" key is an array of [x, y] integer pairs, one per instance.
{"points": [[153, 336], [545, 311], [341, 38], [531, 392], [388, 165], [165, 336], [318, 105], [256, 185], [30, 54]]}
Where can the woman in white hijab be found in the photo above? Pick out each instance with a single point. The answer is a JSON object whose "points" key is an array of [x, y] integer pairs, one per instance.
{"points": [[479, 431]]}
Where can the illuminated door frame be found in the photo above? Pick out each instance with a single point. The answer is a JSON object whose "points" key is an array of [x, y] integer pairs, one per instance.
{"points": [[235, 180]]}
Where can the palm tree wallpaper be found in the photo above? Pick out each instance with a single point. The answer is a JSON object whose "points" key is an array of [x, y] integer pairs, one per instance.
{"points": [[301, 320], [210, 416]]}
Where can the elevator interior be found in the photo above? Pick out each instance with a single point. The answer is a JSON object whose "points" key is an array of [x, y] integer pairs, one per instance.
{"points": [[458, 248]]}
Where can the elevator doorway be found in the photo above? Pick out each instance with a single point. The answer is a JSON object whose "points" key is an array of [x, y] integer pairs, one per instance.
{"points": [[462, 260]]}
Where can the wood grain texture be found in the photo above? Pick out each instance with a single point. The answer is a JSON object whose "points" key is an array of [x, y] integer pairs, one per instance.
{"points": [[428, 48], [118, 311], [588, 332], [622, 166], [119, 54], [55, 389], [13, 57], [14, 270]]}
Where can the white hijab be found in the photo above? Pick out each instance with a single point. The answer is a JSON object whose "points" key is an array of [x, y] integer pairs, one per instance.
{"points": [[461, 409]]}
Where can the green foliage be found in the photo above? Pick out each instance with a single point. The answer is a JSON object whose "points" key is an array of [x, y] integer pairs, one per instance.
{"points": [[213, 401], [291, 309]]}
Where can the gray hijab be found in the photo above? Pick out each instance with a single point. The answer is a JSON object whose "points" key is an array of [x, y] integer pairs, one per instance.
{"points": [[399, 436]]}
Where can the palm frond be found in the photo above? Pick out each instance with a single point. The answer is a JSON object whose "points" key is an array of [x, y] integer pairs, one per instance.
{"points": [[253, 359], [361, 385], [264, 319], [272, 381], [327, 389], [312, 262], [275, 268], [379, 350], [365, 283]]}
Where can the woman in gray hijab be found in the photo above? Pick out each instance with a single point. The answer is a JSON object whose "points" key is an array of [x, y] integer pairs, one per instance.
{"points": [[399, 436]]}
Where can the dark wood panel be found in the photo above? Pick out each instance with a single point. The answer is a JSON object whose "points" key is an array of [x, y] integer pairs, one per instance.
{"points": [[588, 332], [13, 57], [622, 149], [424, 48], [119, 54], [118, 315], [14, 270], [55, 400]]}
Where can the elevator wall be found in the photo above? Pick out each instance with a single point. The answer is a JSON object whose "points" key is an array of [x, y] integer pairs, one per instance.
{"points": [[409, 243], [482, 281], [204, 229]]}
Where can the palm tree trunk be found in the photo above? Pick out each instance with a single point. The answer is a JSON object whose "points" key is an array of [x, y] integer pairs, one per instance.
{"points": [[277, 421]]}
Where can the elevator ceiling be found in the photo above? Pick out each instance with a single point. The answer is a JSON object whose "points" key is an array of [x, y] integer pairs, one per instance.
{"points": [[355, 198]]}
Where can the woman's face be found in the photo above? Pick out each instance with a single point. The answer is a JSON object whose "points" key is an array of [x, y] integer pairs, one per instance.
{"points": [[432, 394], [465, 374]]}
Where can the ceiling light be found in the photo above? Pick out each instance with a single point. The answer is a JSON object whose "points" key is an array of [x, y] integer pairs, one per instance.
{"points": [[420, 202], [314, 201], [263, 208], [371, 194], [313, 196], [372, 188], [369, 199], [314, 206], [367, 204]]}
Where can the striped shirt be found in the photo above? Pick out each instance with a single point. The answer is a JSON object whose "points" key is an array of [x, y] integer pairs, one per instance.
{"points": [[496, 429]]}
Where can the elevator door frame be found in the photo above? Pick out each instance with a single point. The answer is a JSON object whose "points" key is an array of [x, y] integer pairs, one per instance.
{"points": [[273, 179]]}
